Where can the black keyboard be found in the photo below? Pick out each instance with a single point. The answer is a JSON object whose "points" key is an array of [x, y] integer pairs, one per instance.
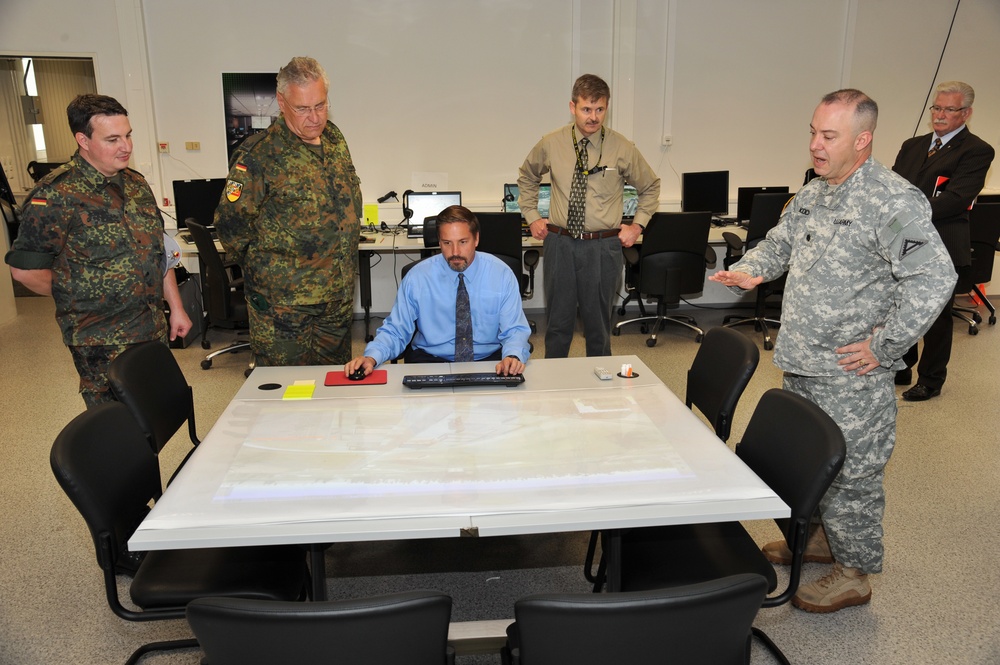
{"points": [[460, 380]]}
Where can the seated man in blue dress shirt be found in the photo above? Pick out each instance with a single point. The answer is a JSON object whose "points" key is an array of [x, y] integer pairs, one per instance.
{"points": [[424, 312]]}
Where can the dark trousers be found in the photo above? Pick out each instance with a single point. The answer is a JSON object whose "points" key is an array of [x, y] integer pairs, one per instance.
{"points": [[933, 366], [584, 276]]}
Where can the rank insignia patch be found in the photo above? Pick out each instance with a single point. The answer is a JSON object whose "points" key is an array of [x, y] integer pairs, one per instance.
{"points": [[233, 190]]}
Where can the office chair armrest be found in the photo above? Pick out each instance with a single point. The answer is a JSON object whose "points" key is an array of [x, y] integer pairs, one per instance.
{"points": [[710, 257], [733, 242], [531, 257], [631, 255]]}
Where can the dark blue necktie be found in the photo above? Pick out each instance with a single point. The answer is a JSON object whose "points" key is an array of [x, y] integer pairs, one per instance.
{"points": [[463, 324]]}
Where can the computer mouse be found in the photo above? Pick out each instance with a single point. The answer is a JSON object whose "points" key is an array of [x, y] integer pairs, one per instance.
{"points": [[358, 374]]}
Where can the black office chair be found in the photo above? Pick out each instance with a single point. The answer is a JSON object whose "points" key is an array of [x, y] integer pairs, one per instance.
{"points": [[38, 170], [797, 450], [671, 262], [102, 462], [722, 368], [500, 235], [764, 215], [984, 229], [707, 623], [147, 379], [409, 628], [222, 293]]}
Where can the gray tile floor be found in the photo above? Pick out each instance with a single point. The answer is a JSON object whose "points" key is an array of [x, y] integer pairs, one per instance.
{"points": [[934, 603]]}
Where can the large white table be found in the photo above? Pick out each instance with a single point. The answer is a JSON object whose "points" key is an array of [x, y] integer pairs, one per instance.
{"points": [[563, 452]]}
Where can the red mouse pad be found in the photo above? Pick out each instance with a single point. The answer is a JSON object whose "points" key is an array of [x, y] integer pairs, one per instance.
{"points": [[378, 377]]}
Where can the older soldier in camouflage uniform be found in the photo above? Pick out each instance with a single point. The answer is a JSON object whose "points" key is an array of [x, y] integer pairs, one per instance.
{"points": [[867, 274], [290, 217], [91, 236]]}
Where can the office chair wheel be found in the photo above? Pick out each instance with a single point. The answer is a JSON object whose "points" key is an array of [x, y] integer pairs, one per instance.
{"points": [[698, 338], [768, 345], [621, 311], [973, 330], [206, 364], [205, 344], [645, 329], [369, 337], [993, 320], [651, 342], [977, 317], [247, 372], [616, 331]]}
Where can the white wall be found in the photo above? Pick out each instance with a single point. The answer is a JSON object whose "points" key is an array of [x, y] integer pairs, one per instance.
{"points": [[466, 87]]}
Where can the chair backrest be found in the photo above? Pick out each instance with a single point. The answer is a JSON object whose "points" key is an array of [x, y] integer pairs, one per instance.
{"points": [[797, 450], [706, 623], [102, 462], [500, 235], [408, 628], [721, 370], [984, 229], [147, 379], [672, 257], [764, 215], [218, 288]]}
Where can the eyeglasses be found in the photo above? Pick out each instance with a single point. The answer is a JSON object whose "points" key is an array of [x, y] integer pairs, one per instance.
{"points": [[946, 109], [304, 111]]}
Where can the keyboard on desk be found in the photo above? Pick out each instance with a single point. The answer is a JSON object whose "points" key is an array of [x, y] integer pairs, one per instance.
{"points": [[461, 380]]}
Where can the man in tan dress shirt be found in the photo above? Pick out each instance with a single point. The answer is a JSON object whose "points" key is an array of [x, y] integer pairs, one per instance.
{"points": [[583, 266]]}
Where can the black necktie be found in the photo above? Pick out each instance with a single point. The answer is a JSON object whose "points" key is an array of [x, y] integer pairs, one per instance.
{"points": [[578, 193], [463, 324]]}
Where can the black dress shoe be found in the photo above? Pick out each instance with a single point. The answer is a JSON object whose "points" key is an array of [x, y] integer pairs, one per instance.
{"points": [[920, 393], [904, 377]]}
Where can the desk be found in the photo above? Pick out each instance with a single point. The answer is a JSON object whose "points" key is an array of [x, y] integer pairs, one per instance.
{"points": [[562, 452]]}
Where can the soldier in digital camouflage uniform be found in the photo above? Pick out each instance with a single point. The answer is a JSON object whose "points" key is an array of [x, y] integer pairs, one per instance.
{"points": [[289, 216], [867, 274], [91, 236]]}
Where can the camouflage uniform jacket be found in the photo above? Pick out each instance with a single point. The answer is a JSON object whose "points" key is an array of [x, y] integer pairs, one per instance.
{"points": [[106, 259], [290, 218], [862, 258]]}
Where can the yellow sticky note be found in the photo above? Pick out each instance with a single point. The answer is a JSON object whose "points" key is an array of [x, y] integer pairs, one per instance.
{"points": [[371, 214], [300, 390]]}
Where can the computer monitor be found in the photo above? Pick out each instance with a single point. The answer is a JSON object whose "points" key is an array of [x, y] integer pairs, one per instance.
{"points": [[744, 199], [510, 203], [198, 199], [511, 192], [705, 190], [630, 202], [427, 204]]}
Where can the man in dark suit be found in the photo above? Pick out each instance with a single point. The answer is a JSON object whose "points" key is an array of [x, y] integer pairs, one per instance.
{"points": [[949, 166]]}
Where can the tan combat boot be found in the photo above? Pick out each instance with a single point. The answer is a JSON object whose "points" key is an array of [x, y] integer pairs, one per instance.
{"points": [[817, 549], [841, 587]]}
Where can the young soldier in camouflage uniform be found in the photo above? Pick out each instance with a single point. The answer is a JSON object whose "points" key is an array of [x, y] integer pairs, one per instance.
{"points": [[289, 217], [91, 236], [867, 274]]}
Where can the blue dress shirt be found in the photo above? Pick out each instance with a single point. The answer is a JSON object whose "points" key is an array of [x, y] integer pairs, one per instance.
{"points": [[425, 305]]}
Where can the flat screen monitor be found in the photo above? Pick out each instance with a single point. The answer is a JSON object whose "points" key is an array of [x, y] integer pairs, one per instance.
{"points": [[705, 190], [630, 205], [198, 199], [744, 199], [510, 203], [427, 204], [511, 192]]}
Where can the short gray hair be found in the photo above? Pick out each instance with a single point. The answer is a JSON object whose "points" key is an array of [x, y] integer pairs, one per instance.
{"points": [[865, 108], [301, 71], [949, 87]]}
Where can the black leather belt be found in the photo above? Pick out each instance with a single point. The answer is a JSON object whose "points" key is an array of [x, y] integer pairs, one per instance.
{"points": [[588, 235]]}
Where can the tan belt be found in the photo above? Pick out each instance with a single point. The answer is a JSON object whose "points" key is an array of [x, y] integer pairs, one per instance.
{"points": [[589, 235]]}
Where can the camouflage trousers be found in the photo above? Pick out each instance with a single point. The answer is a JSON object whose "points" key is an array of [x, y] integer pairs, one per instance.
{"points": [[92, 364], [302, 334], [852, 510]]}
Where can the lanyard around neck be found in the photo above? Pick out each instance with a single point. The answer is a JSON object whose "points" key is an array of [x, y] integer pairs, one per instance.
{"points": [[579, 162]]}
